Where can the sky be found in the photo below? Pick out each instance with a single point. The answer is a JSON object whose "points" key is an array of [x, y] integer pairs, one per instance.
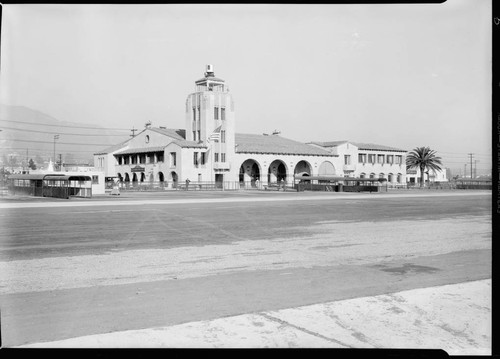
{"points": [[405, 76]]}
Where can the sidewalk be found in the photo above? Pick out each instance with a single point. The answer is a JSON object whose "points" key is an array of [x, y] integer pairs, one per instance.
{"points": [[455, 318]]}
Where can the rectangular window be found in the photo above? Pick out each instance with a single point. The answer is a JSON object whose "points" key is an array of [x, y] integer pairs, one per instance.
{"points": [[216, 113], [371, 158], [199, 135], [223, 114], [195, 158], [95, 179], [203, 158], [216, 157], [194, 114], [173, 159], [380, 159], [194, 135], [399, 160], [159, 157], [142, 159], [199, 114], [223, 157], [362, 158], [390, 159], [347, 159], [223, 136]]}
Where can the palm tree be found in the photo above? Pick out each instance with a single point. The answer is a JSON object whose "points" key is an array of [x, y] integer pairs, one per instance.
{"points": [[423, 158]]}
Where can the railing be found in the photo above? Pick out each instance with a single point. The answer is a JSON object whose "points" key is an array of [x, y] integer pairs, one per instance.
{"points": [[193, 186]]}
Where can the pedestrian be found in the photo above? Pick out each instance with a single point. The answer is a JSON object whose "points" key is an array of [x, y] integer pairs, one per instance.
{"points": [[187, 183]]}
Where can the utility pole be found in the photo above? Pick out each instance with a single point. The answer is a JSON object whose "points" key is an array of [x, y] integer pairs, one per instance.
{"points": [[133, 132], [55, 138], [60, 162], [471, 154]]}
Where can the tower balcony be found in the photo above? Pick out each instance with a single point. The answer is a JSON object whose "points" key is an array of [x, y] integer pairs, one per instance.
{"points": [[222, 166]]}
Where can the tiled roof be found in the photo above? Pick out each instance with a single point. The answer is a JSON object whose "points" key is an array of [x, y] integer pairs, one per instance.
{"points": [[329, 143], [141, 150], [185, 143], [112, 148], [361, 146], [210, 78], [249, 143], [371, 146], [177, 134]]}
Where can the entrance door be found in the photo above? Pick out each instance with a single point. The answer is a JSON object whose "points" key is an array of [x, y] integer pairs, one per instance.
{"points": [[219, 179]]}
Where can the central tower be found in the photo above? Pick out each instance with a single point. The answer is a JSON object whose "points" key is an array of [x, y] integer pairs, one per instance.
{"points": [[209, 110]]}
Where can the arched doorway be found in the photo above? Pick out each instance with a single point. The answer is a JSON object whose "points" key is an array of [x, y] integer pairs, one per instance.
{"points": [[390, 178], [249, 172], [174, 179], [143, 176], [277, 172], [326, 168], [127, 180], [400, 178]]}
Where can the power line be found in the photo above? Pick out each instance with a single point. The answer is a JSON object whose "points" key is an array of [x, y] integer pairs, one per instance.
{"points": [[37, 149], [66, 143], [51, 132], [463, 154], [46, 124]]}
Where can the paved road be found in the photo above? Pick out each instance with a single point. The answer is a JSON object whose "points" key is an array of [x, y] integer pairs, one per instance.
{"points": [[131, 263]]}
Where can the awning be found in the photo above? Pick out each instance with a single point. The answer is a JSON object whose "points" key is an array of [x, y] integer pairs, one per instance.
{"points": [[132, 151], [50, 177], [337, 178]]}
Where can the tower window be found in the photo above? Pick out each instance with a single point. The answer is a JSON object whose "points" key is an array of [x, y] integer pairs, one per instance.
{"points": [[223, 114], [223, 136], [216, 113]]}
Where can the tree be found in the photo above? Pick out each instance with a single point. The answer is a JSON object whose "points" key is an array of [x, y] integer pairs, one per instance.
{"points": [[423, 158], [32, 164]]}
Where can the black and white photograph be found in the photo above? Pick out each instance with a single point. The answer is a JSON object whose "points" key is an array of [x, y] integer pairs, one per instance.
{"points": [[224, 176]]}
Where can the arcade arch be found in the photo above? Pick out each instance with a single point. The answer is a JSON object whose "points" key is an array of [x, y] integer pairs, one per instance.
{"points": [[303, 167], [277, 172], [250, 172]]}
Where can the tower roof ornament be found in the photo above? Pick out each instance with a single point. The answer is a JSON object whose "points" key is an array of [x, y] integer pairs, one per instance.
{"points": [[209, 71]]}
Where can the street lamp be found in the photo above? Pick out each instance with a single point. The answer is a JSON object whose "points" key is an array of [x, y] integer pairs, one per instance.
{"points": [[55, 138]]}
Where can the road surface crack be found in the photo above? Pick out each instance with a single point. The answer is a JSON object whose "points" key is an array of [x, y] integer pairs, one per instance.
{"points": [[285, 323]]}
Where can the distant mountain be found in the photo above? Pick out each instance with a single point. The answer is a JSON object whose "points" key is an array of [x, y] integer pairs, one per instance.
{"points": [[26, 132]]}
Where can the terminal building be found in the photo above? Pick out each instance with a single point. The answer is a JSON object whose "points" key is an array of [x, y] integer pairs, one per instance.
{"points": [[208, 150]]}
